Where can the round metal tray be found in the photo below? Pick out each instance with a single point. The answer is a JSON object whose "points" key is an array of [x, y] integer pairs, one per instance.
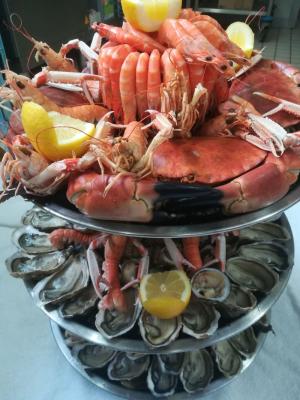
{"points": [[118, 390], [181, 344], [172, 231]]}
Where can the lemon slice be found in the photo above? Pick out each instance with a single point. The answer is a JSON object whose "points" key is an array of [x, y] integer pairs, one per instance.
{"points": [[56, 136], [147, 15], [165, 294], [242, 35]]}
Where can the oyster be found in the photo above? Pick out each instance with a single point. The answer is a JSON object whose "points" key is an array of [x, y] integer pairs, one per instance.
{"points": [[124, 368], [80, 305], [92, 355], [171, 363], [32, 241], [251, 274], [135, 356], [271, 254], [158, 332], [138, 383], [160, 383], [43, 220], [64, 284], [245, 342], [264, 232], [197, 371], [238, 302], [200, 319], [71, 340], [229, 361], [22, 265], [113, 323], [210, 284]]}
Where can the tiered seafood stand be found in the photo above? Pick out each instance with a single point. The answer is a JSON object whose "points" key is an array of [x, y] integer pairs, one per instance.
{"points": [[215, 339]]}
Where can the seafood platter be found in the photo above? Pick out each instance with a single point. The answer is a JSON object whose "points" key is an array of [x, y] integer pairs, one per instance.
{"points": [[160, 171]]}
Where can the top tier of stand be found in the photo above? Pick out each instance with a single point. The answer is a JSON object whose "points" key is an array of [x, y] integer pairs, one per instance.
{"points": [[224, 224]]}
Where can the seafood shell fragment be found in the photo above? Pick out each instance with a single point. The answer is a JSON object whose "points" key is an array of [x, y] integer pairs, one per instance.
{"points": [[200, 319], [160, 383], [31, 241], [80, 305], [124, 368], [64, 284], [113, 323], [239, 301], [21, 265], [159, 332], [245, 342], [171, 363], [251, 274], [197, 371], [92, 355], [271, 254], [210, 284], [229, 361], [43, 220], [265, 232]]}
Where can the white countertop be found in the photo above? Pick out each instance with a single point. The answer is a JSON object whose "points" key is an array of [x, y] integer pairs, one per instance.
{"points": [[33, 368]]}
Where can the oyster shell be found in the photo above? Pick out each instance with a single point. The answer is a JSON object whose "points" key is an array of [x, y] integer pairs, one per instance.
{"points": [[197, 371], [229, 361], [271, 254], [43, 220], [135, 356], [64, 284], [158, 332], [245, 342], [138, 383], [210, 284], [239, 301], [200, 319], [22, 265], [113, 323], [171, 363], [160, 383], [251, 274], [124, 368], [264, 232], [92, 355], [80, 305], [72, 340], [32, 241]]}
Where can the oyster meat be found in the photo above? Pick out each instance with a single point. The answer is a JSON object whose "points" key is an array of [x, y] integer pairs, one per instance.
{"points": [[124, 368], [245, 342], [210, 284], [171, 363], [159, 332], [80, 305], [251, 274], [43, 220], [92, 355], [200, 319], [264, 232], [32, 241], [239, 301], [229, 361], [197, 371], [160, 383]]}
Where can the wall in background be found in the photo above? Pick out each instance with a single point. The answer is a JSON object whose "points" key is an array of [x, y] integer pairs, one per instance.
{"points": [[286, 13]]}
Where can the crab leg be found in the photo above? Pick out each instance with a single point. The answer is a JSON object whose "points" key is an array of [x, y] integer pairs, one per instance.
{"points": [[176, 255], [191, 251], [285, 105]]}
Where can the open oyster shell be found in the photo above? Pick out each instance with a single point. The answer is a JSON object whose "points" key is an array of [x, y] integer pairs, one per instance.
{"points": [[229, 361], [158, 332], [197, 371], [171, 363], [239, 301], [200, 319], [64, 284], [113, 323], [245, 342], [80, 304], [265, 232], [210, 284], [43, 220], [92, 355], [251, 274], [31, 241], [124, 368], [22, 265], [160, 383]]}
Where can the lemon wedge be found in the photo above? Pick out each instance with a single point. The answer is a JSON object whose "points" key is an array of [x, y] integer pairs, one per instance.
{"points": [[56, 136], [242, 35], [165, 294], [147, 15]]}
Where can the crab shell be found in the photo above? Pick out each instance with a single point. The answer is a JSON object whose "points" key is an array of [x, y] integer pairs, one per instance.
{"points": [[190, 178]]}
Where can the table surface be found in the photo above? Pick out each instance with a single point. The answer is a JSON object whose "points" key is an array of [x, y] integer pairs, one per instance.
{"points": [[32, 367]]}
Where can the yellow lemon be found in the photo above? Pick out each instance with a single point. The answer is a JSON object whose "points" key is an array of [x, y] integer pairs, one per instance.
{"points": [[56, 136], [165, 294], [242, 35], [147, 15]]}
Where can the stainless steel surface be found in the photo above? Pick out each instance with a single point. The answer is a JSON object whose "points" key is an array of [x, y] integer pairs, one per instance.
{"points": [[175, 231], [182, 344], [231, 11], [131, 394]]}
